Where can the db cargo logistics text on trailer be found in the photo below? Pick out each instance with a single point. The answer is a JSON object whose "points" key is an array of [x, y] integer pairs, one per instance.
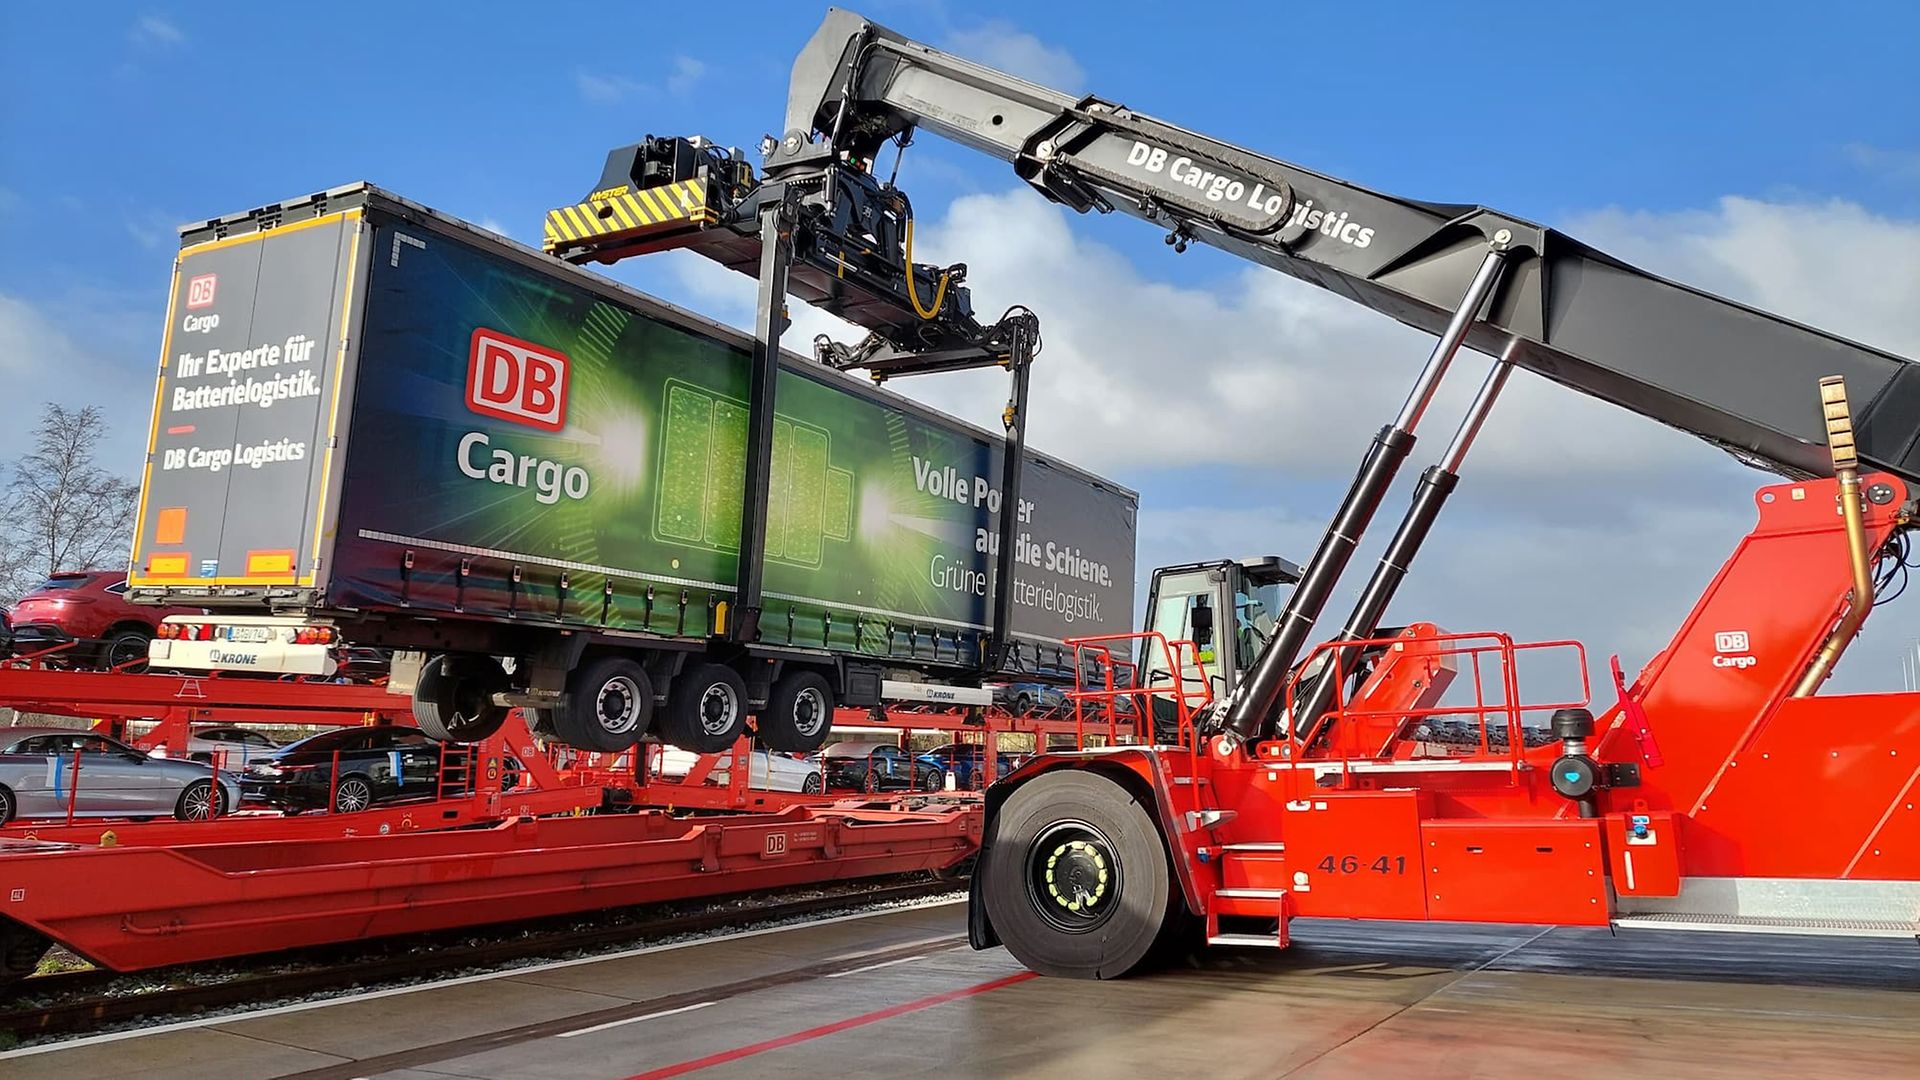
{"points": [[460, 396]]}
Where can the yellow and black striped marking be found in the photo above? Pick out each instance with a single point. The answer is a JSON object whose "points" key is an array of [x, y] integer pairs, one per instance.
{"points": [[621, 211]]}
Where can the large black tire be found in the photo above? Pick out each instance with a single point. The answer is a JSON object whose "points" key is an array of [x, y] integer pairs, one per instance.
{"points": [[453, 701], [706, 709], [1075, 877], [608, 707], [799, 713], [200, 801]]}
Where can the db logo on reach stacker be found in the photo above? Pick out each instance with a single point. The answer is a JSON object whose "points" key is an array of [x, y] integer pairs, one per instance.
{"points": [[200, 290], [516, 380]]}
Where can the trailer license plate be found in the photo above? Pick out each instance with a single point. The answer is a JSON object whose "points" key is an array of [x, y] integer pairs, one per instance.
{"points": [[257, 635]]}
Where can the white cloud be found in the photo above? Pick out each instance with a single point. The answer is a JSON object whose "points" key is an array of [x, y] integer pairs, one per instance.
{"points": [[1000, 45], [1898, 165], [606, 89], [687, 73], [1574, 519], [156, 32], [41, 362], [601, 88]]}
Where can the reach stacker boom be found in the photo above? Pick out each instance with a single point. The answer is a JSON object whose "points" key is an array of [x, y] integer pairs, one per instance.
{"points": [[1386, 773]]}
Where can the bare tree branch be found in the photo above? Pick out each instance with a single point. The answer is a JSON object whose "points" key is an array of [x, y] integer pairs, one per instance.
{"points": [[61, 511]]}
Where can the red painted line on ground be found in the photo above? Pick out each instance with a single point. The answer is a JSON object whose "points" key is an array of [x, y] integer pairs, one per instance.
{"points": [[181, 429], [888, 1013]]}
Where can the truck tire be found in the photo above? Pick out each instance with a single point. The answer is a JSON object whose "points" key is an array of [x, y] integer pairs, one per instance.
{"points": [[453, 701], [1075, 877], [608, 706], [706, 709], [799, 713]]}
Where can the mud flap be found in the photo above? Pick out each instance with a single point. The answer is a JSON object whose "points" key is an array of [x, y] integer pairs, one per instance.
{"points": [[980, 933]]}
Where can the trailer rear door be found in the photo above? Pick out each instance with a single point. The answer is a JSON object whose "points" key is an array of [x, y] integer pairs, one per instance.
{"points": [[253, 358]]}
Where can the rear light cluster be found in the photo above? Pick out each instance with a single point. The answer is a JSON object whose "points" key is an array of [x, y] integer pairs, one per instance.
{"points": [[305, 635]]}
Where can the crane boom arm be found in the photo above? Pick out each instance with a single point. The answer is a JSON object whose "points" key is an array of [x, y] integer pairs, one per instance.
{"points": [[1730, 374]]}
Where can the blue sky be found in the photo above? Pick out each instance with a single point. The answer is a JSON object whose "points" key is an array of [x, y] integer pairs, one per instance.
{"points": [[1771, 151]]}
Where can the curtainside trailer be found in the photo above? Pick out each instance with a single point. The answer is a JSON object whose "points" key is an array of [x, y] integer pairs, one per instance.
{"points": [[376, 423]]}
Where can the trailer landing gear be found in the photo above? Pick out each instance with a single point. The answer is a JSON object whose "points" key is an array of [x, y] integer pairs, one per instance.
{"points": [[1075, 877]]}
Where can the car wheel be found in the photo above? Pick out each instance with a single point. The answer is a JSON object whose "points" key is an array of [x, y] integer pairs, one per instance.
{"points": [[706, 709], [812, 785], [1022, 705], [352, 795], [128, 647], [1075, 877], [201, 801], [453, 701], [934, 780], [799, 713], [608, 707], [871, 783], [6, 805]]}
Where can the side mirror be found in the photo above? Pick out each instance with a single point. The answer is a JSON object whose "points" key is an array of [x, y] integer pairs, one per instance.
{"points": [[1202, 619]]}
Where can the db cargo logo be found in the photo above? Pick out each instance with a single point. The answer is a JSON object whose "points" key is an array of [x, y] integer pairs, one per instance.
{"points": [[516, 380], [200, 290]]}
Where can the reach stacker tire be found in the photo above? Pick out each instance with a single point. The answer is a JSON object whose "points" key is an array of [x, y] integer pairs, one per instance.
{"points": [[799, 713], [1075, 877], [608, 707], [706, 709], [453, 701]]}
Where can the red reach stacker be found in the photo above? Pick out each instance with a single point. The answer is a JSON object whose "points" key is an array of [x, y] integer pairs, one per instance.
{"points": [[1390, 773]]}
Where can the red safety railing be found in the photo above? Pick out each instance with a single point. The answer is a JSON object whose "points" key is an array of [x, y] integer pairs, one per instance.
{"points": [[1392, 723], [1118, 690]]}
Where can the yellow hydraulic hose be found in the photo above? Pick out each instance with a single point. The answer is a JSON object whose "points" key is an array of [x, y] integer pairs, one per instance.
{"points": [[913, 293]]}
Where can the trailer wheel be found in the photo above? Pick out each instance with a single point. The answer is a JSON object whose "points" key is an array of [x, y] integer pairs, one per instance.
{"points": [[1075, 877], [608, 707], [453, 701], [799, 713], [706, 709]]}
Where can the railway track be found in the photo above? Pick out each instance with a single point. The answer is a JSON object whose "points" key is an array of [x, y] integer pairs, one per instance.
{"points": [[82, 1002]]}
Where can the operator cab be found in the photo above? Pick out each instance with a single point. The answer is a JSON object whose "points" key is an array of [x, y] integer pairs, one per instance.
{"points": [[1228, 608]]}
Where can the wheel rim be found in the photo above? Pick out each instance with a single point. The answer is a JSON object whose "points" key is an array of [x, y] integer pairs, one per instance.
{"points": [[810, 786], [200, 802], [352, 796], [617, 706], [933, 782], [1073, 877], [6, 807], [125, 650], [809, 712], [719, 707]]}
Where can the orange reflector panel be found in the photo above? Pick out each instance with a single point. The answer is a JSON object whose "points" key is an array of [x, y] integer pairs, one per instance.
{"points": [[167, 566], [269, 562], [171, 527]]}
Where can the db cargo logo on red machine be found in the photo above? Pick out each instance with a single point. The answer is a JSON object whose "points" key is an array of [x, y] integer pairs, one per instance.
{"points": [[515, 380]]}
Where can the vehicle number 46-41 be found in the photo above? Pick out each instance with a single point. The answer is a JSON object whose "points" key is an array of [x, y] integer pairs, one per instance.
{"points": [[1356, 864]]}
